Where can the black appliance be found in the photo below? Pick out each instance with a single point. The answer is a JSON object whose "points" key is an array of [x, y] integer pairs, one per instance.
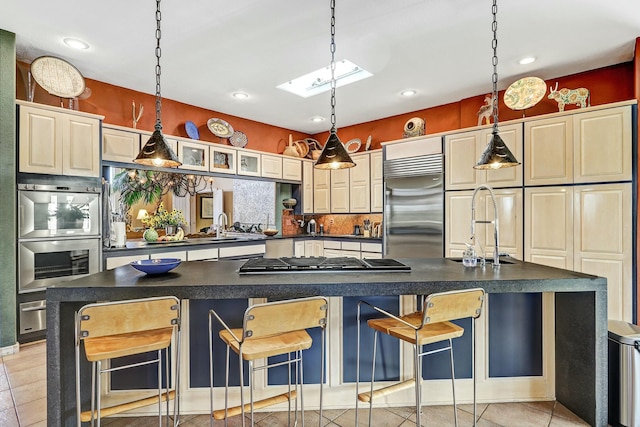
{"points": [[320, 264]]}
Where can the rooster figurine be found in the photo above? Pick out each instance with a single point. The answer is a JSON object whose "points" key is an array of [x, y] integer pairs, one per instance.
{"points": [[486, 111]]}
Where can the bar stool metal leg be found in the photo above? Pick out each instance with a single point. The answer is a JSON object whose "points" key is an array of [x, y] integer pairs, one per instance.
{"points": [[453, 383]]}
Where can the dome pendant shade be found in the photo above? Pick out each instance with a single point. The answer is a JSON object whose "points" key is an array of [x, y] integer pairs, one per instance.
{"points": [[334, 155], [496, 156], [156, 152]]}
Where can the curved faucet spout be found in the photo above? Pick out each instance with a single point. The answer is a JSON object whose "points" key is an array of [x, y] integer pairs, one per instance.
{"points": [[496, 249], [222, 225]]}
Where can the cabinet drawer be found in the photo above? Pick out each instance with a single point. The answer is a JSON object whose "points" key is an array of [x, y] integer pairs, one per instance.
{"points": [[114, 262], [371, 247], [351, 246], [332, 244], [202, 254], [236, 251]]}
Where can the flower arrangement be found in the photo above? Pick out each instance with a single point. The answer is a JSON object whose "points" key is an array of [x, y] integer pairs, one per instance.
{"points": [[163, 218]]}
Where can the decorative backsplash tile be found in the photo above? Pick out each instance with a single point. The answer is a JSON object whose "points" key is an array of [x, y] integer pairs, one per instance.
{"points": [[254, 201], [336, 224]]}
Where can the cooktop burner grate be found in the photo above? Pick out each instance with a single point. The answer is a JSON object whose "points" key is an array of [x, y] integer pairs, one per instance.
{"points": [[319, 264]]}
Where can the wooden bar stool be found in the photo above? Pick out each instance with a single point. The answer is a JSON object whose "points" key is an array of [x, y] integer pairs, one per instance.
{"points": [[431, 325], [270, 329], [123, 328]]}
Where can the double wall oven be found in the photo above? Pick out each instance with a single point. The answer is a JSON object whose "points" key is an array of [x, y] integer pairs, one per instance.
{"points": [[58, 240]]}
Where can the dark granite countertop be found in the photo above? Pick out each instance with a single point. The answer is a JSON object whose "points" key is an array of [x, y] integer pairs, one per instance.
{"points": [[221, 280]]}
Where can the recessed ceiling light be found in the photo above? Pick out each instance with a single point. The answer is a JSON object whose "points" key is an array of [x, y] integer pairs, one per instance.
{"points": [[527, 60], [408, 92], [75, 43], [317, 119], [240, 95], [319, 81]]}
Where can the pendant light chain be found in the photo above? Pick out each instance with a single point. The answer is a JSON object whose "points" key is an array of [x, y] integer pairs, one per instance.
{"points": [[494, 77], [333, 66], [158, 68]]}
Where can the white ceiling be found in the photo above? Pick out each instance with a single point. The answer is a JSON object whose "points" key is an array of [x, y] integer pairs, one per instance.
{"points": [[211, 48]]}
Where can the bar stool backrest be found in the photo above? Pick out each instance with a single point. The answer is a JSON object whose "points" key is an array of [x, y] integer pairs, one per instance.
{"points": [[124, 317], [277, 317], [444, 306]]}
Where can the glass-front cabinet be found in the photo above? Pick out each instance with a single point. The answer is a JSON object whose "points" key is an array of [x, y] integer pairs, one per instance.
{"points": [[222, 159], [193, 156], [248, 163]]}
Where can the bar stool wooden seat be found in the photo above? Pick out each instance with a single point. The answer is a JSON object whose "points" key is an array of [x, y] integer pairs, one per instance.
{"points": [[431, 325], [270, 329], [124, 328]]}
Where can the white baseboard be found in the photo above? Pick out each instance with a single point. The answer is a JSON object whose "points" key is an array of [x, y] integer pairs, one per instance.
{"points": [[12, 349]]}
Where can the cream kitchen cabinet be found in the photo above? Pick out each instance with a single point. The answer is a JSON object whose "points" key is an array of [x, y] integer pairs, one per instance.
{"points": [[602, 146], [579, 148], [377, 185], [248, 163], [291, 169], [548, 229], [54, 141], [271, 166], [359, 184], [313, 248], [222, 159], [340, 191], [586, 228], [602, 231], [307, 187], [193, 155], [510, 220], [119, 145], [462, 151], [321, 191]]}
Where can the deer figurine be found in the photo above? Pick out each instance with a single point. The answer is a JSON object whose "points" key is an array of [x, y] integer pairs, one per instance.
{"points": [[486, 111], [580, 97]]}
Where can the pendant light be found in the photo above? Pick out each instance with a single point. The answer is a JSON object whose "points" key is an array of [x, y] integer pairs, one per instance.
{"points": [[157, 152], [497, 155], [334, 155]]}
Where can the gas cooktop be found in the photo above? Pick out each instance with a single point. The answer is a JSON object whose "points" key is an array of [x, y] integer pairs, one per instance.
{"points": [[320, 264]]}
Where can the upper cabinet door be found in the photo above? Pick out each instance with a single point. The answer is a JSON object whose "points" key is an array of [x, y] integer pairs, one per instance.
{"points": [[460, 156], [80, 146], [307, 187], [119, 145], [40, 141], [248, 163], [321, 191], [548, 146], [377, 188], [339, 191], [271, 166], [602, 145], [193, 156], [291, 169], [222, 159], [360, 184]]}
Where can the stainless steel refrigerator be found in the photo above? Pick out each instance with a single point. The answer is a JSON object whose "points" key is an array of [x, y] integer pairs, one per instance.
{"points": [[413, 207]]}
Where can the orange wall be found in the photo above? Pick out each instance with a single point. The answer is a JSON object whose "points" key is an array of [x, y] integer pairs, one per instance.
{"points": [[610, 84], [115, 104]]}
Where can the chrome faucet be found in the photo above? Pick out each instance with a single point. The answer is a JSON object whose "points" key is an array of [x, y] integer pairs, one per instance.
{"points": [[222, 227], [496, 249]]}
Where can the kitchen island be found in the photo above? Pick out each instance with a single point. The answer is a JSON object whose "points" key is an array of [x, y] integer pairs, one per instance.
{"points": [[580, 312]]}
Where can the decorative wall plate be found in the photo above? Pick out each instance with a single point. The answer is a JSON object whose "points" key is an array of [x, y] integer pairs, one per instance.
{"points": [[57, 76], [525, 93], [353, 145], [192, 130], [220, 128], [238, 139]]}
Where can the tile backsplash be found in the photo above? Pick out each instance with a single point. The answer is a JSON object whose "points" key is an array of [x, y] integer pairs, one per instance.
{"points": [[336, 224]]}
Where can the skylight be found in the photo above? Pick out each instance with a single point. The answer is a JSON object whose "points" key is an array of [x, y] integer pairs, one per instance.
{"points": [[319, 81]]}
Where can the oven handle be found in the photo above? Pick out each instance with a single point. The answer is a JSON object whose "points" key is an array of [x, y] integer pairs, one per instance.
{"points": [[39, 308]]}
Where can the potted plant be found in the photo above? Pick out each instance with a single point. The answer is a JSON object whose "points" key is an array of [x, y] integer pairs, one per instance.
{"points": [[162, 218]]}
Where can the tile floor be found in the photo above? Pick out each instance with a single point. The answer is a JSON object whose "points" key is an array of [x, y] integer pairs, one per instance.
{"points": [[23, 403]]}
